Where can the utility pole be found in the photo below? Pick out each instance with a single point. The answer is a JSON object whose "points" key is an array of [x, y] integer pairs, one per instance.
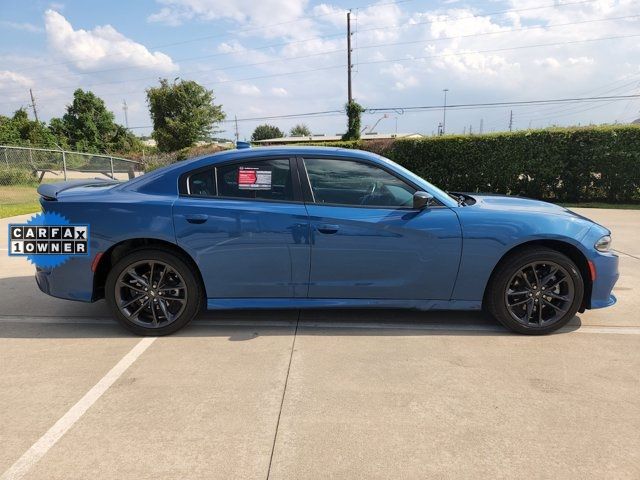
{"points": [[511, 120], [481, 126], [235, 117], [125, 108], [349, 66], [444, 112], [33, 105]]}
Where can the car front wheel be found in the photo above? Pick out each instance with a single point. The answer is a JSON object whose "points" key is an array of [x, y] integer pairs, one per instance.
{"points": [[153, 292], [535, 291]]}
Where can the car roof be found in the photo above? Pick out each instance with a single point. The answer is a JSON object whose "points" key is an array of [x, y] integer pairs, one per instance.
{"points": [[274, 152]]}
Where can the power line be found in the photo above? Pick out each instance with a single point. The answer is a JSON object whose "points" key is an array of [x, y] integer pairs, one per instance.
{"points": [[514, 30], [371, 62], [553, 111], [467, 106], [447, 20], [409, 109], [522, 47], [490, 14], [228, 33], [208, 70]]}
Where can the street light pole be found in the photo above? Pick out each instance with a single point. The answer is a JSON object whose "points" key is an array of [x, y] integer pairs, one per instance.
{"points": [[444, 112]]}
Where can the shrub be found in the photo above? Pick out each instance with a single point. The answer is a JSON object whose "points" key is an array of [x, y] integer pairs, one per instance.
{"points": [[574, 164], [17, 176]]}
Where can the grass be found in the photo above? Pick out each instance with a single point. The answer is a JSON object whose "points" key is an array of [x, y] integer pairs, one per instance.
{"points": [[619, 206], [18, 200]]}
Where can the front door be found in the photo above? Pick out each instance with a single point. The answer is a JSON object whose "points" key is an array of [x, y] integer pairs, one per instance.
{"points": [[247, 229], [368, 241]]}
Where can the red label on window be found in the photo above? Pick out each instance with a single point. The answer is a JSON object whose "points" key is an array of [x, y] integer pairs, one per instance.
{"points": [[250, 178], [246, 177]]}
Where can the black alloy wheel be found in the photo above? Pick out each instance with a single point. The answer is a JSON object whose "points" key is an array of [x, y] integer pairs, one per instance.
{"points": [[534, 291], [153, 292]]}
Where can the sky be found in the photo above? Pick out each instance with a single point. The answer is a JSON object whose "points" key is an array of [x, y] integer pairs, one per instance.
{"points": [[272, 58]]}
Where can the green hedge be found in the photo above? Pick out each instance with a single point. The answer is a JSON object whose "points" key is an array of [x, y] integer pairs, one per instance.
{"points": [[570, 165]]}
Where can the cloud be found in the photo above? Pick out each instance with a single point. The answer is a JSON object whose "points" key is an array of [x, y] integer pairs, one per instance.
{"points": [[101, 47], [246, 90], [274, 17], [403, 76], [9, 79], [24, 26], [279, 91], [549, 62], [581, 61]]}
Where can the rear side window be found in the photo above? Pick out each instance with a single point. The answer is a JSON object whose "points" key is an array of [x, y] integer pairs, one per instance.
{"points": [[202, 184], [264, 179], [346, 182]]}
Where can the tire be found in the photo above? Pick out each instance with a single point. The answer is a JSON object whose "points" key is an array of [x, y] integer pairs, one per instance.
{"points": [[535, 308], [172, 298]]}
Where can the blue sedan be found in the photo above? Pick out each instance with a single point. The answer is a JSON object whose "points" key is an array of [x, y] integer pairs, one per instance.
{"points": [[309, 227]]}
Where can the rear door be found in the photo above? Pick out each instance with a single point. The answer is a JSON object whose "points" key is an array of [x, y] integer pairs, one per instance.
{"points": [[247, 228], [368, 241]]}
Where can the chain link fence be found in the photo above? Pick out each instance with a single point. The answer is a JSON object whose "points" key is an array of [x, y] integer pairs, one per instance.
{"points": [[22, 169], [23, 165]]}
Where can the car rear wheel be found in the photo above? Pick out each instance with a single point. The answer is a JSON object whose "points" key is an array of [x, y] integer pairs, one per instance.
{"points": [[153, 292], [535, 291]]}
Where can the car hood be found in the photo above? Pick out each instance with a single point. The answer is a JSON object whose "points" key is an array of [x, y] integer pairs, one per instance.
{"points": [[520, 204]]}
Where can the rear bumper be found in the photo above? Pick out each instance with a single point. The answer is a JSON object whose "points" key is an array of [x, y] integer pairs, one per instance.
{"points": [[606, 267], [72, 281]]}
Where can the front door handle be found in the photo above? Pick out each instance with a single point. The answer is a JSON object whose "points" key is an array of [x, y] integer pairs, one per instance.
{"points": [[196, 217], [328, 229]]}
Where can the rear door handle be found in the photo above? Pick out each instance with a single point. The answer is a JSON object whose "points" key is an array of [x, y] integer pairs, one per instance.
{"points": [[327, 229], [196, 217]]}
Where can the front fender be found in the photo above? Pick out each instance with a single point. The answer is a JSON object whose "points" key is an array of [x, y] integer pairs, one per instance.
{"points": [[489, 235]]}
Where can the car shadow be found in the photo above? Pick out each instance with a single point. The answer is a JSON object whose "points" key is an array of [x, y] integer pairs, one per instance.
{"points": [[25, 312]]}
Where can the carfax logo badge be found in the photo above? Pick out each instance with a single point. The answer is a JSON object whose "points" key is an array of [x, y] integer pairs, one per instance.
{"points": [[48, 240]]}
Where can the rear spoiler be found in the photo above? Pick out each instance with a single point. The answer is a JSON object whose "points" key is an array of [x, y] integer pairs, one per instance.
{"points": [[50, 191]]}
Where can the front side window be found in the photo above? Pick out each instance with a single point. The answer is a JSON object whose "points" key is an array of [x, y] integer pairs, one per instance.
{"points": [[263, 179], [346, 182]]}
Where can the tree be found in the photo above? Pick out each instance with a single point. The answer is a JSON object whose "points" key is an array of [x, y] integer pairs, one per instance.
{"points": [[266, 131], [354, 110], [300, 130], [182, 113], [88, 126], [19, 130]]}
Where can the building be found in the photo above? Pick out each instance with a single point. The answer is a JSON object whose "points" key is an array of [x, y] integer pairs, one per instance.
{"points": [[334, 138]]}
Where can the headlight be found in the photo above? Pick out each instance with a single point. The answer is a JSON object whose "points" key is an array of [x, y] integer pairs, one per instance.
{"points": [[604, 244]]}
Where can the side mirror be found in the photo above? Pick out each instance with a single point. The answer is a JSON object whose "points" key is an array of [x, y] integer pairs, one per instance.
{"points": [[422, 200]]}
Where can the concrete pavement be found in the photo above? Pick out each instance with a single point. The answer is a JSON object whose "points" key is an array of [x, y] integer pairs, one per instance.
{"points": [[360, 394]]}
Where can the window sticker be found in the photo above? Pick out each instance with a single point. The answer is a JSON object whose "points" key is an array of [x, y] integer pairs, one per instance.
{"points": [[253, 178]]}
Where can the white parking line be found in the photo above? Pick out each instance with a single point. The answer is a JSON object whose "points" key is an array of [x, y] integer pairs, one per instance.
{"points": [[445, 327], [439, 327], [49, 439]]}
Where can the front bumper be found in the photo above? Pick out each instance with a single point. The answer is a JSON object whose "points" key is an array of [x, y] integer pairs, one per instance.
{"points": [[606, 268]]}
